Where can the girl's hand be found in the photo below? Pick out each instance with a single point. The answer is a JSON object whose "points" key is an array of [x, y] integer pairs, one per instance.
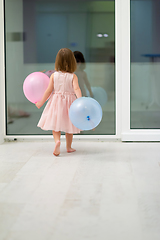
{"points": [[47, 93], [38, 105]]}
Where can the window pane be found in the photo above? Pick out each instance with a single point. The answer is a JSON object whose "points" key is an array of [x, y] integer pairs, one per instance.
{"points": [[35, 31], [145, 64]]}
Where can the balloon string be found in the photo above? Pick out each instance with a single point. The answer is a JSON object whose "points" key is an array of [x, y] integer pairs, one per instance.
{"points": [[92, 124]]}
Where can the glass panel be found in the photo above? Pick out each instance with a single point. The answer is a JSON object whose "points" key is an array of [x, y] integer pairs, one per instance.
{"points": [[145, 64], [35, 31]]}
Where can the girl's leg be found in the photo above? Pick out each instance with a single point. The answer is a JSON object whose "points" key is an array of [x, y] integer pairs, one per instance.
{"points": [[56, 136], [69, 138]]}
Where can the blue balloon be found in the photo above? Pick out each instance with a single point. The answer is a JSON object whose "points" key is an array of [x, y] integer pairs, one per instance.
{"points": [[99, 94], [85, 113]]}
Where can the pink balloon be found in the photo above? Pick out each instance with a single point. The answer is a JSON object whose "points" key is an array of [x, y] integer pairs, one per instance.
{"points": [[35, 85], [49, 73]]}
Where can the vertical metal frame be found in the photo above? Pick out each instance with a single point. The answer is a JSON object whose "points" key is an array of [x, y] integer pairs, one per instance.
{"points": [[118, 66], [125, 66], [2, 74]]}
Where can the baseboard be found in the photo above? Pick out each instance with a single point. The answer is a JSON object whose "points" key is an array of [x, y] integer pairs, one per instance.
{"points": [[139, 136]]}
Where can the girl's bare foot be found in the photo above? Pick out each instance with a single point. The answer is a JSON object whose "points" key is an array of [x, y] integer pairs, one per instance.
{"points": [[57, 148], [70, 150]]}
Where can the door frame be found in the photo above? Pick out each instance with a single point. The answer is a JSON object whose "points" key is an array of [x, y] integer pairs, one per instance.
{"points": [[128, 134], [122, 84]]}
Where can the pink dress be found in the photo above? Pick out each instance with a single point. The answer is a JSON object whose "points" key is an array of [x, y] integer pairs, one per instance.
{"points": [[55, 116]]}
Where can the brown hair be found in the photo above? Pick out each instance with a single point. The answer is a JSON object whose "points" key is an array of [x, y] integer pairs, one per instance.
{"points": [[65, 61], [80, 59]]}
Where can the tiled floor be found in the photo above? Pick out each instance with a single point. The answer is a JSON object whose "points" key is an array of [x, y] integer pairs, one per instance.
{"points": [[104, 190]]}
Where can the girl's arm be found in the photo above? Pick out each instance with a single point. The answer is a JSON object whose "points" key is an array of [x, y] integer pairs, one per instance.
{"points": [[47, 92], [87, 84], [76, 87]]}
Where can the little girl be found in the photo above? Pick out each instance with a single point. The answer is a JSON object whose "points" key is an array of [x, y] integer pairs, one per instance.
{"points": [[64, 85]]}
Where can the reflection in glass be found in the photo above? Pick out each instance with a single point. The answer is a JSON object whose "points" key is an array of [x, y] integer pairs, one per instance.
{"points": [[35, 31], [145, 64]]}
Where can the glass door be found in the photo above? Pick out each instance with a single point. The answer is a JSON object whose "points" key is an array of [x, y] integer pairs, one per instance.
{"points": [[145, 64], [35, 31], [140, 76], [120, 43]]}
